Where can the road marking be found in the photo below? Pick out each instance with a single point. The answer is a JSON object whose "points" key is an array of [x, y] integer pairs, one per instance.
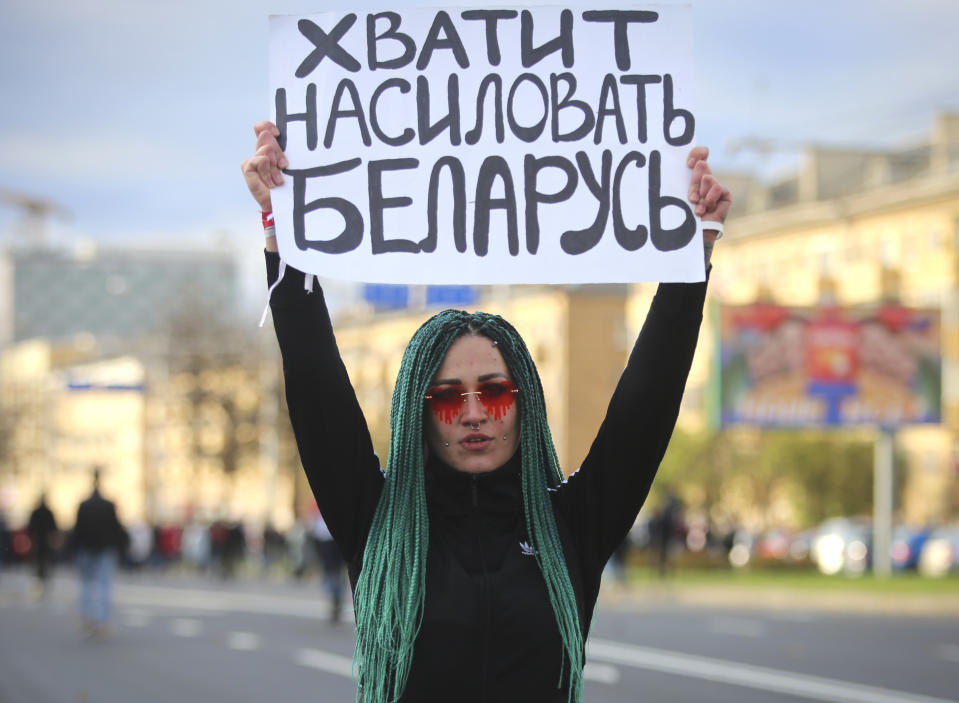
{"points": [[604, 673], [325, 661], [741, 627], [762, 678], [225, 601], [243, 641], [949, 652], [343, 666], [185, 627]]}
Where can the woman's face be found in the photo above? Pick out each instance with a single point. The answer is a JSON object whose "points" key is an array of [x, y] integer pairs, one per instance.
{"points": [[472, 412]]}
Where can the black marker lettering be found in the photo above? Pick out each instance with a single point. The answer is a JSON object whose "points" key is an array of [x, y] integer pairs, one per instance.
{"points": [[563, 43], [527, 134], [494, 79], [458, 178], [531, 168], [629, 239], [283, 118], [670, 114], [378, 203], [408, 133], [352, 234], [609, 90], [326, 45], [451, 121], [494, 167], [666, 239], [556, 106], [372, 39], [346, 86], [491, 17], [580, 241], [642, 115], [452, 41], [621, 20]]}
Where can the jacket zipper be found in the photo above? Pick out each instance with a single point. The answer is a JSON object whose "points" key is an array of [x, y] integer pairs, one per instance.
{"points": [[484, 679]]}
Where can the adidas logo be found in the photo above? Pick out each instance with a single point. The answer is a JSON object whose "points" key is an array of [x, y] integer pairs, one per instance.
{"points": [[527, 549]]}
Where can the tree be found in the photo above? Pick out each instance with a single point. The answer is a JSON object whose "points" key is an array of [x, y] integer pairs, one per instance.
{"points": [[747, 470], [217, 361]]}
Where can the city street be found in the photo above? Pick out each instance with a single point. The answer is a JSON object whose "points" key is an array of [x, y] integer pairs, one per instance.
{"points": [[179, 638]]}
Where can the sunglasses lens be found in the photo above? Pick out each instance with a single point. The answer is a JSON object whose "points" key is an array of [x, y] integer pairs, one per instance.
{"points": [[497, 398], [446, 402]]}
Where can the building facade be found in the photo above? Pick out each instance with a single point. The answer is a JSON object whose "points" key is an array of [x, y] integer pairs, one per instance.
{"points": [[852, 228], [132, 361]]}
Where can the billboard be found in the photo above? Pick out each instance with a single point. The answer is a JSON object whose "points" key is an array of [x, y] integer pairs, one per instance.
{"points": [[829, 366]]}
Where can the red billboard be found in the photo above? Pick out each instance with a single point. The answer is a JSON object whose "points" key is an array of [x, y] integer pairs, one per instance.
{"points": [[829, 366]]}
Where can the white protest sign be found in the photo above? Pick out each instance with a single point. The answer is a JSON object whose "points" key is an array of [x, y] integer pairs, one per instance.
{"points": [[538, 145]]}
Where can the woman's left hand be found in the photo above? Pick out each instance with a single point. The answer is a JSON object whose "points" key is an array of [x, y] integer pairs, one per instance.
{"points": [[709, 197]]}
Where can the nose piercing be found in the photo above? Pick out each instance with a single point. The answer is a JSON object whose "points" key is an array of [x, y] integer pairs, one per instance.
{"points": [[475, 426]]}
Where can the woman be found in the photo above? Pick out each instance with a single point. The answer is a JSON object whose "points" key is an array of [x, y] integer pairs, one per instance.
{"points": [[475, 568]]}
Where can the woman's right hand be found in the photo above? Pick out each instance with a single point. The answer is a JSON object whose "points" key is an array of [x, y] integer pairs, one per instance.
{"points": [[262, 170]]}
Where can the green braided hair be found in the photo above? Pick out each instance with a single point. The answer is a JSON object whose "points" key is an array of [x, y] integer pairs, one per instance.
{"points": [[391, 588]]}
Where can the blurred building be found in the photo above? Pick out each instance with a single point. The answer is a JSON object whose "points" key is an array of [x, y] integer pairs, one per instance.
{"points": [[133, 360], [852, 227], [70, 419], [105, 294], [574, 333]]}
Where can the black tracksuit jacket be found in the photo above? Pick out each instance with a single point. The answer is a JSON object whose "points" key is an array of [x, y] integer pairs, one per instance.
{"points": [[488, 631]]}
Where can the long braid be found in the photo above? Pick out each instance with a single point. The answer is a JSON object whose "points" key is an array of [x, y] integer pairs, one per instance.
{"points": [[540, 471], [391, 588]]}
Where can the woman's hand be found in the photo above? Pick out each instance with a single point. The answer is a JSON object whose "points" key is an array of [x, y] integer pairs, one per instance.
{"points": [[262, 170], [710, 198]]}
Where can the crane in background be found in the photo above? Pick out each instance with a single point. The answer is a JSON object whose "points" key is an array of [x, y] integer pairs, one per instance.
{"points": [[35, 214]]}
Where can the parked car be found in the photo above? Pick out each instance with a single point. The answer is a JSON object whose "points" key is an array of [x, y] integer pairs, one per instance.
{"points": [[940, 553], [775, 547], [907, 544], [842, 545]]}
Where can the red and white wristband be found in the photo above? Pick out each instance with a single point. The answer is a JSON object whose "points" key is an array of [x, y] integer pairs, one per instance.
{"points": [[269, 229]]}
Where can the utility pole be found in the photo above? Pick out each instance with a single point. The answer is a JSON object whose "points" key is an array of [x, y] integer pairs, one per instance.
{"points": [[882, 502]]}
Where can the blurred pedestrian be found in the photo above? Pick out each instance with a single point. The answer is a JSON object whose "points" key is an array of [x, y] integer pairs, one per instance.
{"points": [[98, 540], [664, 528], [333, 565], [297, 538], [3, 539], [234, 549], [274, 548], [42, 528], [141, 544]]}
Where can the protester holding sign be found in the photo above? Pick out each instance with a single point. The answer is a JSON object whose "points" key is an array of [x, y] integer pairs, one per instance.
{"points": [[475, 567]]}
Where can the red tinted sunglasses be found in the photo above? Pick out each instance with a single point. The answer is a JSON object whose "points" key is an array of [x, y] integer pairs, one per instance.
{"points": [[447, 401]]}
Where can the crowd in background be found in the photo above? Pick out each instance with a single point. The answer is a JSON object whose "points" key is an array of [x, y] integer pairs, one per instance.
{"points": [[662, 540]]}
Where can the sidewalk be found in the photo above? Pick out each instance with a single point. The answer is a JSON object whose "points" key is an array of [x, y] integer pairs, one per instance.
{"points": [[647, 596]]}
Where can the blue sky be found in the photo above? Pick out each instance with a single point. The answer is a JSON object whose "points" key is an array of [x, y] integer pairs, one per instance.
{"points": [[135, 116]]}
